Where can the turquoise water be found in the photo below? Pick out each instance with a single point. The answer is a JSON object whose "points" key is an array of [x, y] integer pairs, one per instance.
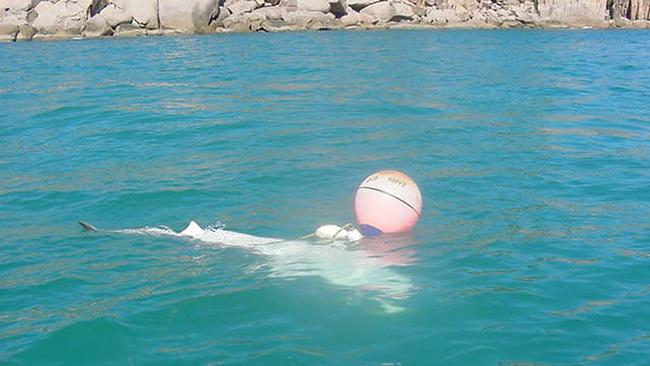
{"points": [[532, 149]]}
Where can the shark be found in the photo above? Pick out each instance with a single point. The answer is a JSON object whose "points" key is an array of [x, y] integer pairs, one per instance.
{"points": [[369, 264]]}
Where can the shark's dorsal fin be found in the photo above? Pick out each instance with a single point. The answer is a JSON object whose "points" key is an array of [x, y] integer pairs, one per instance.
{"points": [[192, 229]]}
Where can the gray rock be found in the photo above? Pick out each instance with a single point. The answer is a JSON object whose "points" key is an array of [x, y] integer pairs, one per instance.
{"points": [[268, 19], [354, 18], [273, 12], [351, 18], [462, 13], [25, 32], [622, 22], [241, 7], [243, 22], [143, 12], [322, 6], [217, 22], [8, 32], [630, 9], [15, 19], [492, 17], [190, 16], [360, 4], [338, 7], [478, 20], [403, 11], [129, 30], [523, 16], [309, 19], [382, 11], [577, 12], [115, 15], [441, 17], [97, 26], [16, 5], [63, 17], [14, 12]]}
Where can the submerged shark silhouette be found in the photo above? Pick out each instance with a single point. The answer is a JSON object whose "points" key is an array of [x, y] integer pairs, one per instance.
{"points": [[362, 266]]}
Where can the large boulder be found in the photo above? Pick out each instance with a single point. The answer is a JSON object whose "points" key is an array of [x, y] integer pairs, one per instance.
{"points": [[630, 9], [63, 17], [353, 18], [439, 17], [15, 11], [271, 12], [322, 6], [271, 18], [244, 22], [97, 26], [241, 7], [262, 19], [403, 11], [8, 32], [217, 22], [13, 16], [574, 12], [310, 19], [382, 11], [25, 32], [143, 12], [191, 16], [129, 30], [115, 16], [360, 4]]}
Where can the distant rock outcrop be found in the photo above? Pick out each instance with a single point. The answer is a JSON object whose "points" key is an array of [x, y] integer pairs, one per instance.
{"points": [[42, 19], [577, 12], [187, 16]]}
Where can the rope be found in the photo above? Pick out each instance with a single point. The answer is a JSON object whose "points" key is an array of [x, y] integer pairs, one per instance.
{"points": [[347, 226]]}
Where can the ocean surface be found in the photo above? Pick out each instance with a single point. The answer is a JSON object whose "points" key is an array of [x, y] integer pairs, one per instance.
{"points": [[531, 148]]}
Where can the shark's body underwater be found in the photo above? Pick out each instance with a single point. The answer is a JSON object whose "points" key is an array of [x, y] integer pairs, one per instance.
{"points": [[337, 260]]}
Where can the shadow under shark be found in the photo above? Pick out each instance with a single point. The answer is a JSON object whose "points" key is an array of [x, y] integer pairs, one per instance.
{"points": [[368, 265]]}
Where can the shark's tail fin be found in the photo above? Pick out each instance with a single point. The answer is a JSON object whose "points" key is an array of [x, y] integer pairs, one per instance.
{"points": [[87, 226]]}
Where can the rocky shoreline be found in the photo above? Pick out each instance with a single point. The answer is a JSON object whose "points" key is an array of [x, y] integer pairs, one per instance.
{"points": [[60, 19]]}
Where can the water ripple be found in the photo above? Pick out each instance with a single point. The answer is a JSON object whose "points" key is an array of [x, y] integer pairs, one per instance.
{"points": [[531, 149]]}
